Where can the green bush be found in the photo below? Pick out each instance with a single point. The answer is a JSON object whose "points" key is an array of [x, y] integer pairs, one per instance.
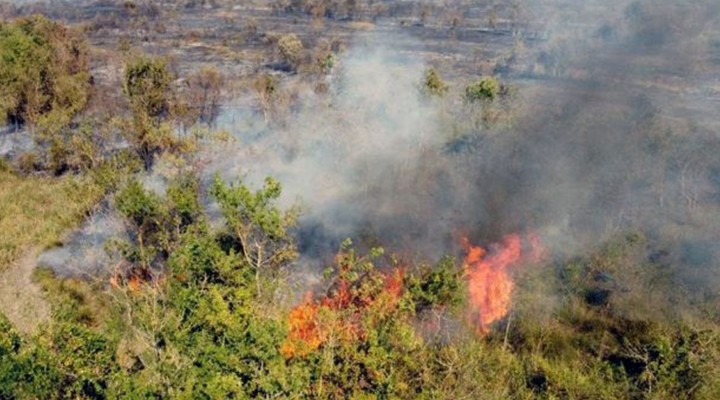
{"points": [[44, 73], [486, 89], [432, 84], [212, 324], [147, 86]]}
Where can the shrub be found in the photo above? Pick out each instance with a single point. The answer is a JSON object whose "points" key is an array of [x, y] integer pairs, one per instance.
{"points": [[147, 86], [291, 50], [433, 84], [204, 94], [44, 73], [486, 89]]}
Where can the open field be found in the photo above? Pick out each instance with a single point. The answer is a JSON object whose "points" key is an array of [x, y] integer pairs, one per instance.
{"points": [[37, 212]]}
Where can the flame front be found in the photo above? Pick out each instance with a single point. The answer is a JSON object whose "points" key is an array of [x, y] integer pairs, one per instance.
{"points": [[489, 283]]}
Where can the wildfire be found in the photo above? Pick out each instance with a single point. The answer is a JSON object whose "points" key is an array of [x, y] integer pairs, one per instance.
{"points": [[135, 279], [338, 314], [306, 334], [490, 285]]}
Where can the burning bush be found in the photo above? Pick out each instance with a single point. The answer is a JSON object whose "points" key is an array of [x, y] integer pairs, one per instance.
{"points": [[360, 299]]}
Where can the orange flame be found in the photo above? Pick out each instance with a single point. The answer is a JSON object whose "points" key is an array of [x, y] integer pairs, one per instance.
{"points": [[308, 332], [305, 333], [135, 280], [489, 283], [394, 284]]}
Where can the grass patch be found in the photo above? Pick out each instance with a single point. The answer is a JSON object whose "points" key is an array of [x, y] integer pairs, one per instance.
{"points": [[36, 211]]}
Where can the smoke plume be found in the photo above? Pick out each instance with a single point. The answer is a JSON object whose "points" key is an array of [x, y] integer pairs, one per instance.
{"points": [[613, 129]]}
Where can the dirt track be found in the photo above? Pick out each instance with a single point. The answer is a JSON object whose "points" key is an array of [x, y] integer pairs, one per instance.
{"points": [[21, 299]]}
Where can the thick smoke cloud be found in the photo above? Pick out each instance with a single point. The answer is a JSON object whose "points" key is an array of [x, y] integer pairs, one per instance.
{"points": [[602, 142], [615, 129], [353, 160]]}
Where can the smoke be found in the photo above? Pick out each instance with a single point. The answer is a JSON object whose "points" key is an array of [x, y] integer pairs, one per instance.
{"points": [[615, 129], [617, 132], [351, 159], [85, 252], [613, 133]]}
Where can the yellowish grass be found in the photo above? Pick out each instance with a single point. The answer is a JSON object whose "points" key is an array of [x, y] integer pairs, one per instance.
{"points": [[362, 25], [35, 212]]}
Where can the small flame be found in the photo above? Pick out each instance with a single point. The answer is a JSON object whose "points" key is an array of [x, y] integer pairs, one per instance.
{"points": [[490, 285], [135, 280]]}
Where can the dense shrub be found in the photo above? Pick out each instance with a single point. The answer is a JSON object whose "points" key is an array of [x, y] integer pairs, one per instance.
{"points": [[147, 86], [486, 89], [432, 84], [291, 50], [44, 73]]}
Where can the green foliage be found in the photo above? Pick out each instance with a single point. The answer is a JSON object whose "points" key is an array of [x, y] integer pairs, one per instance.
{"points": [[67, 361], [259, 228], [83, 358], [439, 286], [113, 171], [138, 205], [432, 84], [156, 224], [10, 343], [486, 89], [147, 86], [204, 333], [212, 326], [44, 73]]}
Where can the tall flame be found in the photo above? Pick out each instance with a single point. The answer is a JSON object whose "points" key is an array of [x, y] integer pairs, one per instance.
{"points": [[490, 285]]}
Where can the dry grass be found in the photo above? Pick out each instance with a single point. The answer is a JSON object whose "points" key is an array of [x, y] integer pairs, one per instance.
{"points": [[35, 212]]}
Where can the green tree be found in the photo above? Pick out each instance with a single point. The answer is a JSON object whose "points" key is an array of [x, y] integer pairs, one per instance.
{"points": [[260, 228], [439, 286], [156, 224], [147, 85]]}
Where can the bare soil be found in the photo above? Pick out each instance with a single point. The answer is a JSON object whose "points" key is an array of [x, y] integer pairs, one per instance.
{"points": [[21, 299]]}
